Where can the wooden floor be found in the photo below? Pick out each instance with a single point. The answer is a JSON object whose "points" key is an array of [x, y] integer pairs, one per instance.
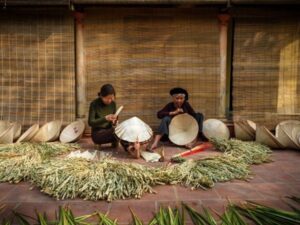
{"points": [[270, 184]]}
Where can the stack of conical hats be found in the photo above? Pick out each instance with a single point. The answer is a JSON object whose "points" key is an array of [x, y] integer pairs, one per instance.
{"points": [[245, 130], [288, 133], [11, 132]]}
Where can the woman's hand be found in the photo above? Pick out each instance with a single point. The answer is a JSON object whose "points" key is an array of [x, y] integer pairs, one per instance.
{"points": [[111, 117], [177, 111]]}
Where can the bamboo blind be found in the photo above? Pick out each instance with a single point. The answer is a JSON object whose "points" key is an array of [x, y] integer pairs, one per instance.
{"points": [[37, 67], [146, 52], [266, 68]]}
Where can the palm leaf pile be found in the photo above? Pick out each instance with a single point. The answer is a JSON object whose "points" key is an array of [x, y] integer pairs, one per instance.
{"points": [[17, 161], [233, 164], [105, 179], [235, 214], [111, 179]]}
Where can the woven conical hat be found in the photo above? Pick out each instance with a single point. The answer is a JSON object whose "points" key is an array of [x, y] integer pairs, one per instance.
{"points": [[48, 132], [72, 132], [241, 132], [284, 138], [298, 137], [17, 130], [250, 129], [264, 136], [183, 129], [4, 125], [134, 129], [7, 136], [251, 126], [215, 128], [29, 133], [295, 133], [56, 125], [288, 125]]}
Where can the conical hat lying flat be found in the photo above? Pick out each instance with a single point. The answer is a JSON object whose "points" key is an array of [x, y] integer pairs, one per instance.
{"points": [[288, 125], [284, 138], [56, 125], [4, 125], [17, 130], [7, 136], [72, 132], [250, 126], [265, 137], [183, 129], [241, 132], [215, 128], [134, 129], [298, 137], [48, 132], [29, 133]]}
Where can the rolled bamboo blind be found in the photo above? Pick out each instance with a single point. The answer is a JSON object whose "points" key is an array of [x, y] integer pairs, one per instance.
{"points": [[146, 52], [266, 67], [37, 81]]}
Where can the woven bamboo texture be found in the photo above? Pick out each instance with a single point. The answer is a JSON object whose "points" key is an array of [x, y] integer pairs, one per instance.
{"points": [[37, 82], [266, 67], [146, 52]]}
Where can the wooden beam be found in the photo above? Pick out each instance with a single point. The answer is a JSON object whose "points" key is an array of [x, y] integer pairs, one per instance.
{"points": [[223, 23], [80, 67]]}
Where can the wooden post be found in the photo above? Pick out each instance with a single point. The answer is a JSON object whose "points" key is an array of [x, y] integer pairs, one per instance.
{"points": [[80, 67], [223, 23]]}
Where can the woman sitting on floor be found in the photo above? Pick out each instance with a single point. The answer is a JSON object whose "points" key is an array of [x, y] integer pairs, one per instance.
{"points": [[102, 118], [179, 105]]}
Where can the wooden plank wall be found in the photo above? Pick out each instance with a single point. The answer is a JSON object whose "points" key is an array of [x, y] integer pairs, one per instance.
{"points": [[266, 66], [37, 66], [146, 52]]}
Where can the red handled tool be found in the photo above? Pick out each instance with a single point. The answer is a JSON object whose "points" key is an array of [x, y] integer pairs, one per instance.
{"points": [[196, 149]]}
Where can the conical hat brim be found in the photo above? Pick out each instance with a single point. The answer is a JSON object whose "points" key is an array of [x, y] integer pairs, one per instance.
{"points": [[288, 125], [284, 138], [215, 128], [4, 125], [183, 129], [29, 133], [264, 136], [295, 132], [72, 132], [134, 129], [251, 126], [48, 132], [298, 138], [55, 125], [241, 133], [247, 128], [7, 136], [17, 130]]}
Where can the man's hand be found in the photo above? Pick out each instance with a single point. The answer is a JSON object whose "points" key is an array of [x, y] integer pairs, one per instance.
{"points": [[177, 111]]}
